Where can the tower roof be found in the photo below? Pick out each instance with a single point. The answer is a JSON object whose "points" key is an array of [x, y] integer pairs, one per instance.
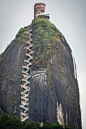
{"points": [[39, 4]]}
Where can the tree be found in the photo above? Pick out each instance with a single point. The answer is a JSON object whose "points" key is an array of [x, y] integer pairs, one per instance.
{"points": [[66, 127], [10, 122], [1, 112]]}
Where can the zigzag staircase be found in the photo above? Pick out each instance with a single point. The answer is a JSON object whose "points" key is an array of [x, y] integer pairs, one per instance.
{"points": [[24, 112]]}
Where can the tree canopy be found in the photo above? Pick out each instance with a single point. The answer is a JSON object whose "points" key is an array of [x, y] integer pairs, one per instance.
{"points": [[11, 122]]}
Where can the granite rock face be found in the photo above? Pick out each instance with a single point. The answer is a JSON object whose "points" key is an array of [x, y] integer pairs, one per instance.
{"points": [[53, 76], [11, 62]]}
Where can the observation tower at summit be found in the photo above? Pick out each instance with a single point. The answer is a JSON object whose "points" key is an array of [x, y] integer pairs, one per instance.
{"points": [[39, 11]]}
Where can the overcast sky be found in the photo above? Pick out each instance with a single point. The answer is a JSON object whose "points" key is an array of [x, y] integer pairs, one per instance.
{"points": [[69, 16]]}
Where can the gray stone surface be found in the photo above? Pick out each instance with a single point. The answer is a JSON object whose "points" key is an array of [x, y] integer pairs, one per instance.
{"points": [[48, 85]]}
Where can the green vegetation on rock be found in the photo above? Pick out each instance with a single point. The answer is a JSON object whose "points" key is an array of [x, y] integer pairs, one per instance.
{"points": [[44, 36], [22, 35]]}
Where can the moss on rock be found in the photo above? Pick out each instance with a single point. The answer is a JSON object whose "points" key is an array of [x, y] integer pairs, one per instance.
{"points": [[44, 36]]}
